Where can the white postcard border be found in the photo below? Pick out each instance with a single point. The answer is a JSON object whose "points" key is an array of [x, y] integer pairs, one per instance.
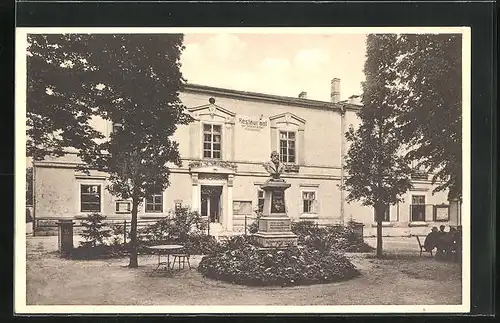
{"points": [[20, 306]]}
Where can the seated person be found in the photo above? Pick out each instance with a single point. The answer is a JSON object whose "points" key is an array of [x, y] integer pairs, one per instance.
{"points": [[458, 237], [441, 230], [431, 240], [447, 241], [454, 237], [458, 243]]}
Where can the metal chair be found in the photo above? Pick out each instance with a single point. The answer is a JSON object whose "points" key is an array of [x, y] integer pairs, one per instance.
{"points": [[181, 258]]}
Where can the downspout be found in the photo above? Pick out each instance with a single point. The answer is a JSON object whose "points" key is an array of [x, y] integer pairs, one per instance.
{"points": [[342, 155]]}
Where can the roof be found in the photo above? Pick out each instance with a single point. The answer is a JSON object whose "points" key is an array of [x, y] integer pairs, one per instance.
{"points": [[278, 99]]}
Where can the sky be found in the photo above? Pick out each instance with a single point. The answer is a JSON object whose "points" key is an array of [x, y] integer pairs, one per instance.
{"points": [[280, 64]]}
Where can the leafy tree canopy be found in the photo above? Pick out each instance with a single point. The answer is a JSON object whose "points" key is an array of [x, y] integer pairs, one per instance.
{"points": [[133, 80], [429, 103], [378, 174]]}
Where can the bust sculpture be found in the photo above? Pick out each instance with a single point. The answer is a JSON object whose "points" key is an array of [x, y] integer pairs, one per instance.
{"points": [[275, 167]]}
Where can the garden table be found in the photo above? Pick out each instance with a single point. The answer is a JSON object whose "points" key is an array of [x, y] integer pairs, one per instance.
{"points": [[166, 249]]}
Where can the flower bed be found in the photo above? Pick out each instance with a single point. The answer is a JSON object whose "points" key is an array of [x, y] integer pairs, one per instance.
{"points": [[239, 261]]}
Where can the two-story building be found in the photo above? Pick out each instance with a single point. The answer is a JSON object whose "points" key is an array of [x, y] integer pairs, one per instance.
{"points": [[223, 150]]}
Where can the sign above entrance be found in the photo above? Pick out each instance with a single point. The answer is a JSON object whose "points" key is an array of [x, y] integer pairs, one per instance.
{"points": [[252, 123]]}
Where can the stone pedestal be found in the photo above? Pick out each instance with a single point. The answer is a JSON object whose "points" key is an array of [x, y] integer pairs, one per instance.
{"points": [[65, 234], [275, 228]]}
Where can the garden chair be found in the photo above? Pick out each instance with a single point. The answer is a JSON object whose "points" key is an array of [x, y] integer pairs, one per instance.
{"points": [[422, 248], [181, 258]]}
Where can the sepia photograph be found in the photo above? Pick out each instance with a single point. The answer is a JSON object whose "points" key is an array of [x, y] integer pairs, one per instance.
{"points": [[242, 170]]}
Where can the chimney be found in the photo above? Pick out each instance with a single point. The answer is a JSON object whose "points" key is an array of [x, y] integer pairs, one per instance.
{"points": [[303, 95], [335, 91]]}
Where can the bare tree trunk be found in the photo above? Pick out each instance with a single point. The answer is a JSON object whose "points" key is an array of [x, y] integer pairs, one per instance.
{"points": [[379, 239], [133, 234], [378, 217]]}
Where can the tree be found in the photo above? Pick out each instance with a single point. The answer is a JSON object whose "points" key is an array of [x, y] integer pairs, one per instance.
{"points": [[61, 95], [377, 172], [133, 81], [141, 81], [429, 103], [95, 231]]}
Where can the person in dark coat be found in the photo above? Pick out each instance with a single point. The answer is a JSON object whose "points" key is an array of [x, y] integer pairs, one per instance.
{"points": [[446, 243], [431, 240]]}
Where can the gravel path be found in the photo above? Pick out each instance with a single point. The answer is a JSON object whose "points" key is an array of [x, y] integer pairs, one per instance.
{"points": [[408, 280]]}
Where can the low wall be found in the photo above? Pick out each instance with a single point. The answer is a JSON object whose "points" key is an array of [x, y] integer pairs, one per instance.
{"points": [[397, 232], [48, 226]]}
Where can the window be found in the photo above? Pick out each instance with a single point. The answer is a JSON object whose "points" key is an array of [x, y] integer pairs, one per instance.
{"points": [[287, 146], [417, 208], [309, 202], [212, 141], [387, 215], [418, 199], [260, 200], [90, 198], [154, 203]]}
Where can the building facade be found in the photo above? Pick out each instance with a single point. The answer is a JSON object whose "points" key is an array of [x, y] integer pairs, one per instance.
{"points": [[223, 150]]}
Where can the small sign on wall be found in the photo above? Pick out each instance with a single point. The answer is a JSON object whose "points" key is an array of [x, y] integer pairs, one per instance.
{"points": [[123, 207], [242, 207], [441, 212]]}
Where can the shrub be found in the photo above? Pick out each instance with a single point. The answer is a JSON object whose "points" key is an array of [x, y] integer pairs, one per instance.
{"points": [[95, 230], [159, 231], [239, 261], [201, 244], [183, 227], [350, 233], [306, 228], [325, 239], [101, 251], [359, 247], [177, 226], [184, 222], [312, 236], [254, 226], [236, 242]]}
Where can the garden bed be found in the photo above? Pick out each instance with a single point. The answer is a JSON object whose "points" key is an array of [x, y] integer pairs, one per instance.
{"points": [[239, 261]]}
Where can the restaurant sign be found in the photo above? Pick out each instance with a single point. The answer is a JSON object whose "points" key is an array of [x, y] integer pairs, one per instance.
{"points": [[252, 124]]}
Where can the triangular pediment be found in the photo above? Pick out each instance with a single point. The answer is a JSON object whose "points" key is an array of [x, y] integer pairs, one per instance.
{"points": [[212, 110], [287, 118]]}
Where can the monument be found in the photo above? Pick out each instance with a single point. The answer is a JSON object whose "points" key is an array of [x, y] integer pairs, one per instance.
{"points": [[275, 227]]}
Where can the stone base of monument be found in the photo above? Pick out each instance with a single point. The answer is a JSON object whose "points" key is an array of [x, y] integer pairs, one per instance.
{"points": [[273, 224], [275, 239], [275, 227], [275, 231]]}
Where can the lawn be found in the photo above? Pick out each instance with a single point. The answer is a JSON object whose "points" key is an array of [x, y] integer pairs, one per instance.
{"points": [[405, 279]]}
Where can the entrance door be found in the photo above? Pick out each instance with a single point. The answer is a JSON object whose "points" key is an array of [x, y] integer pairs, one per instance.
{"points": [[211, 203]]}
